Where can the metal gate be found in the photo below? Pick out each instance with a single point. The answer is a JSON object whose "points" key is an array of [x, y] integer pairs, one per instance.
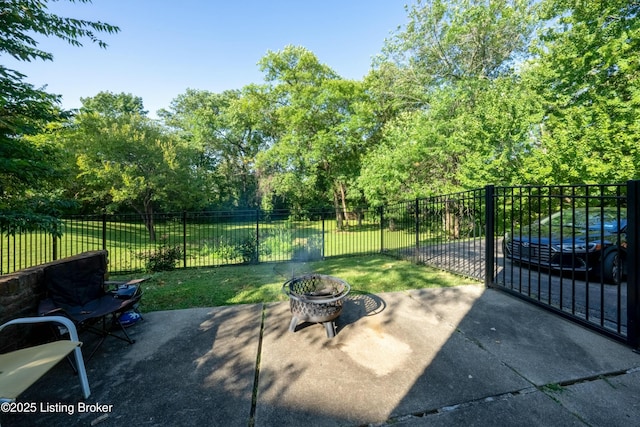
{"points": [[569, 249]]}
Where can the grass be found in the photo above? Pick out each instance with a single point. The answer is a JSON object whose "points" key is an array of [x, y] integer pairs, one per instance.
{"points": [[217, 286]]}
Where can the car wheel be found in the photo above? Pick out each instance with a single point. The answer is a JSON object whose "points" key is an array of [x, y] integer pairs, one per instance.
{"points": [[613, 268]]}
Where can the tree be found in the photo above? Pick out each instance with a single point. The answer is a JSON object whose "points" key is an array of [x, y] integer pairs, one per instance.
{"points": [[123, 158], [455, 112], [26, 167], [316, 133], [588, 74], [448, 41], [223, 129], [110, 104]]}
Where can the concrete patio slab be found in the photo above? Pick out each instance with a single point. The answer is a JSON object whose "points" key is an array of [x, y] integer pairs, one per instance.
{"points": [[532, 342], [187, 367], [457, 356], [528, 408], [611, 401], [400, 358]]}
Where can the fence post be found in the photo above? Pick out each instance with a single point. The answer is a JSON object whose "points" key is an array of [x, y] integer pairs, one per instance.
{"points": [[54, 246], [417, 221], [322, 219], [381, 229], [184, 239], [104, 231], [632, 262], [489, 237], [257, 254]]}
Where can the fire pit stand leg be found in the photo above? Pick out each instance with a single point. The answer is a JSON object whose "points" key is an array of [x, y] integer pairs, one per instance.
{"points": [[293, 324], [330, 328]]}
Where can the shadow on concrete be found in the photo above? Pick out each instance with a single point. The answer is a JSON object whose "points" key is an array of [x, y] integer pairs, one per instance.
{"points": [[441, 356], [508, 362]]}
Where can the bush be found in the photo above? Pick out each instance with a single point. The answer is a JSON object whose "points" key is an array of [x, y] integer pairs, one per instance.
{"points": [[162, 259], [249, 249], [227, 250], [277, 240]]}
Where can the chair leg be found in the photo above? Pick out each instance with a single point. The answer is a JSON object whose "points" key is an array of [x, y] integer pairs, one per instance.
{"points": [[124, 330], [82, 372], [104, 333]]}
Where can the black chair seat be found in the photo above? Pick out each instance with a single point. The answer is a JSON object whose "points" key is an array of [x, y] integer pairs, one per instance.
{"points": [[77, 291]]}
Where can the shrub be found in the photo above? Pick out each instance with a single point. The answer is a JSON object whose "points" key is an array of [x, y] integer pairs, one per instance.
{"points": [[162, 259], [249, 249], [277, 240], [227, 250]]}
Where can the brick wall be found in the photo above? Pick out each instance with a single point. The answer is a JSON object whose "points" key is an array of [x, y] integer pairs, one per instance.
{"points": [[20, 293]]}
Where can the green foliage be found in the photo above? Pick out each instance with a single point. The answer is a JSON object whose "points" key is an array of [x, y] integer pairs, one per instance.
{"points": [[461, 96], [227, 250], [588, 75], [127, 160], [110, 104], [447, 41], [456, 115], [27, 169], [223, 131], [164, 258], [317, 128], [278, 239], [249, 248]]}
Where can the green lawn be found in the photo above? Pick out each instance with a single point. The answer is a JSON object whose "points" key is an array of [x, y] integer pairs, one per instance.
{"points": [[216, 286]]}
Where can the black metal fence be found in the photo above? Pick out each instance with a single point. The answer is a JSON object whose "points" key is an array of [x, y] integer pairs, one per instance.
{"points": [[570, 249], [199, 239], [446, 232]]}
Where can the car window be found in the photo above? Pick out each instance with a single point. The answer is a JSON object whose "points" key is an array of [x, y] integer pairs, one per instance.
{"points": [[598, 218]]}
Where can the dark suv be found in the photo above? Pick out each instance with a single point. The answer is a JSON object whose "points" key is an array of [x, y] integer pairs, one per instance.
{"points": [[581, 239]]}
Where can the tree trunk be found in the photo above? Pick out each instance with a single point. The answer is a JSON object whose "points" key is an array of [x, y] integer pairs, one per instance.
{"points": [[148, 221], [344, 203], [339, 213], [146, 213], [451, 219]]}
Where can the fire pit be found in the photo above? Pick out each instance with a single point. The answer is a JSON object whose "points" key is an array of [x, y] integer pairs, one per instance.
{"points": [[316, 298]]}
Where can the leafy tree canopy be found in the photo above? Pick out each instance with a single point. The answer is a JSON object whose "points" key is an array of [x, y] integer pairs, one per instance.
{"points": [[225, 131], [317, 129], [588, 73], [124, 158], [26, 167]]}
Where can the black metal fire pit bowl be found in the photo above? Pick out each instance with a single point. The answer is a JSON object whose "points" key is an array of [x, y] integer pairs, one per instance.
{"points": [[316, 298]]}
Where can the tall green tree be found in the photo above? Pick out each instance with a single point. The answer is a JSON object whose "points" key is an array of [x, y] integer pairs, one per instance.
{"points": [[26, 166], [588, 73], [448, 41], [126, 160], [224, 130], [456, 115], [316, 132], [468, 137]]}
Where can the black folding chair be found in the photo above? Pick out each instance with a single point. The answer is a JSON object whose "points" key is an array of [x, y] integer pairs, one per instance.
{"points": [[77, 291]]}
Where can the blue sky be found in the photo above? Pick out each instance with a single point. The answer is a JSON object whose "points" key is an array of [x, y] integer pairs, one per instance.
{"points": [[167, 46]]}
